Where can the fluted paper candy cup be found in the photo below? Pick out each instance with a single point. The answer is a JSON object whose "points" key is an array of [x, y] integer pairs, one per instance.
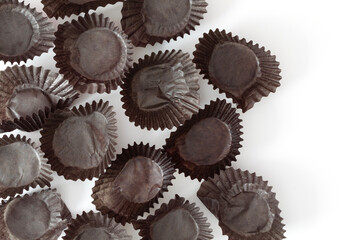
{"points": [[161, 91], [22, 165], [42, 216], [244, 204], [92, 53], [80, 143], [242, 70], [176, 220], [208, 142], [95, 226], [29, 94], [24, 32], [134, 182], [152, 21]]}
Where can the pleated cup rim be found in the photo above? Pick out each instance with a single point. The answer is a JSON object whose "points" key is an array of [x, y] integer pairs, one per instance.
{"points": [[62, 56], [128, 211], [48, 81], [44, 32], [54, 121], [174, 113], [178, 202], [263, 85], [96, 220], [223, 184], [134, 25], [222, 111], [44, 177], [59, 214]]}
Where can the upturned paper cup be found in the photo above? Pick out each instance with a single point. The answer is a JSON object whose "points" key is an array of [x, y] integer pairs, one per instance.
{"points": [[161, 90], [22, 165], [223, 191], [24, 32], [29, 94], [176, 218], [92, 53], [42, 215], [95, 226], [151, 21], [80, 143], [208, 142], [242, 70], [133, 183]]}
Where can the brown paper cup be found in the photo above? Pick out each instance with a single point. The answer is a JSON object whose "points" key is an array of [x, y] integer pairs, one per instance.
{"points": [[24, 33], [29, 94], [92, 53], [150, 21], [179, 218], [208, 142], [42, 216], [80, 143], [161, 90], [242, 70], [221, 195], [96, 226], [22, 166], [63, 8], [133, 183]]}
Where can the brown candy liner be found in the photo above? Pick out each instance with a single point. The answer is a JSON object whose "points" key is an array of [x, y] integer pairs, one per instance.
{"points": [[67, 31], [176, 203], [269, 67], [43, 35], [222, 111], [53, 122], [91, 219], [176, 112], [43, 179], [63, 8], [133, 22], [127, 211], [59, 214], [35, 121], [230, 181], [52, 83]]}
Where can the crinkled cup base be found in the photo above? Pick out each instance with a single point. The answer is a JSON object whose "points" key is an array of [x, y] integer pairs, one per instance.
{"points": [[161, 91], [107, 196], [92, 53], [58, 126], [218, 110], [146, 22], [231, 183], [257, 69]]}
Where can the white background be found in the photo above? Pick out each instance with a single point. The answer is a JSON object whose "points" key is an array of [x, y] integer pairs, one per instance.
{"points": [[303, 139]]}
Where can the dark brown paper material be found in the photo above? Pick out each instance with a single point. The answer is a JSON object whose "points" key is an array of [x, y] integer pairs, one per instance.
{"points": [[242, 70], [244, 204], [128, 189], [29, 94], [92, 53], [24, 32], [152, 21], [177, 220], [161, 90], [22, 165], [80, 143], [63, 8], [208, 142], [42, 216], [94, 226]]}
